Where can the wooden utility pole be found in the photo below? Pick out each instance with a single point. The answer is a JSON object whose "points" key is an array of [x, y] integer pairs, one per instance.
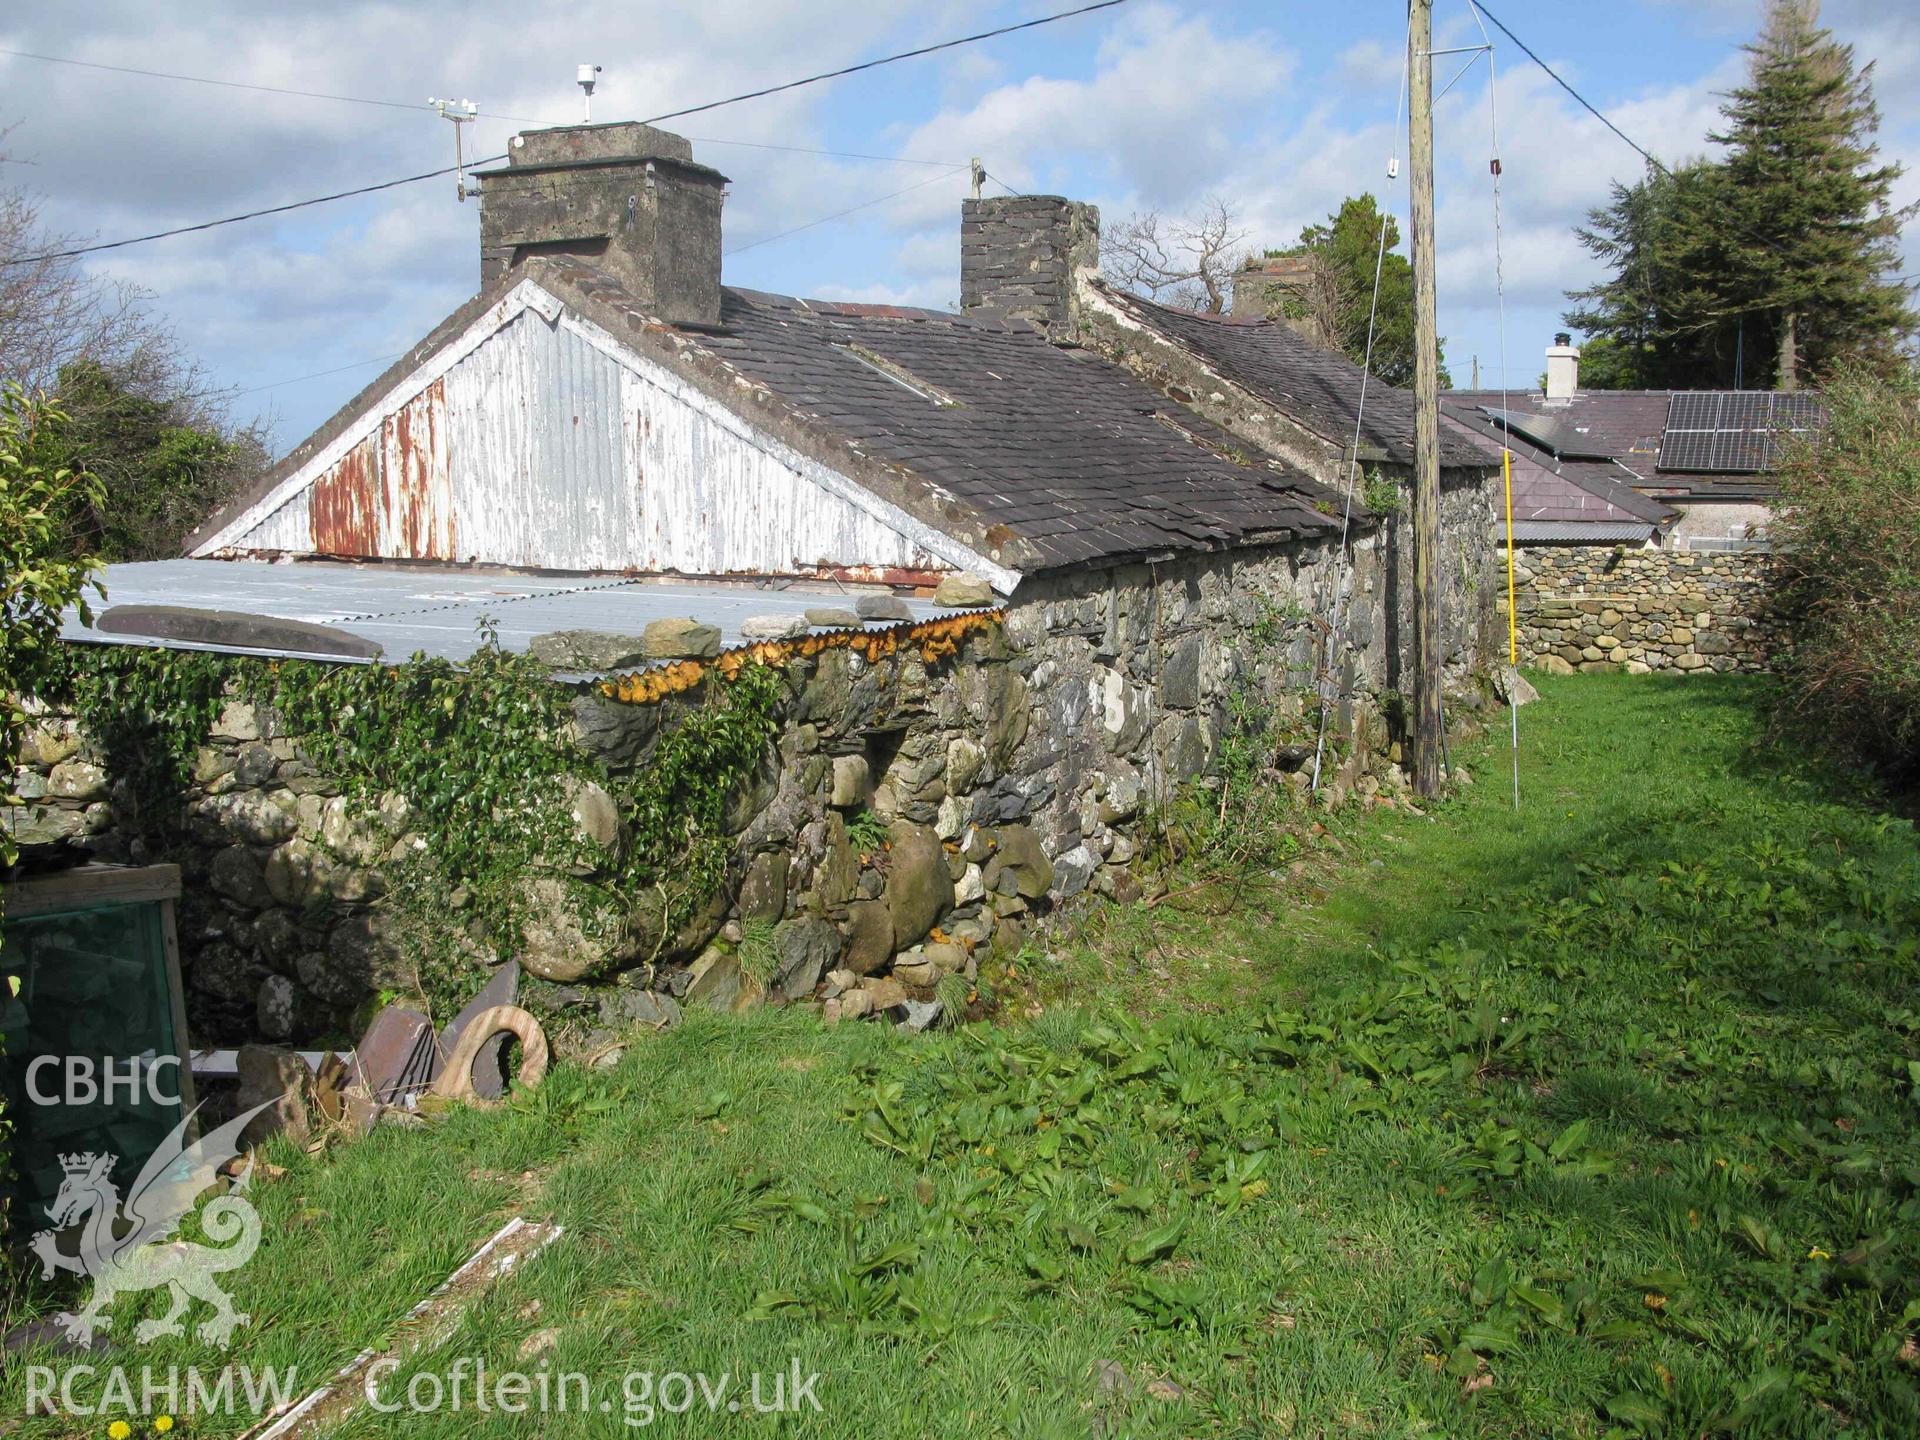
{"points": [[1426, 716]]}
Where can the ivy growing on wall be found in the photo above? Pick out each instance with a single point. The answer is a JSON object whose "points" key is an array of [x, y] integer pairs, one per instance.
{"points": [[481, 758], [148, 711], [675, 814]]}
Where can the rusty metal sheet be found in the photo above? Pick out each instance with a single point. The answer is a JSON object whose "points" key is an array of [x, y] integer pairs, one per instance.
{"points": [[546, 447], [417, 518], [345, 509], [398, 1057]]}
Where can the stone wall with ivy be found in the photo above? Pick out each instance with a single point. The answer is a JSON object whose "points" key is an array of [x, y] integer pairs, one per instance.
{"points": [[883, 807], [1606, 607]]}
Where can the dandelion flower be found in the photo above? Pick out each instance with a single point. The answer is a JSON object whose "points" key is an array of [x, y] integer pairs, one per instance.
{"points": [[119, 1430], [162, 1424]]}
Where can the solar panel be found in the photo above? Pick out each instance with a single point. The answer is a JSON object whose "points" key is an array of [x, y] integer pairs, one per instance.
{"points": [[1557, 436], [1734, 432]]}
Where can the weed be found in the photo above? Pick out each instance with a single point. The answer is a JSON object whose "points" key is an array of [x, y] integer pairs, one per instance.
{"points": [[1382, 495], [758, 957], [867, 832]]}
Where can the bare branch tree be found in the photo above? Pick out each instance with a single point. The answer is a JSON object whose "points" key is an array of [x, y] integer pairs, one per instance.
{"points": [[141, 413], [53, 312], [1190, 264]]}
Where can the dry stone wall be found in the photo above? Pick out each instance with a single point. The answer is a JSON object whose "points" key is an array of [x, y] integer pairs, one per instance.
{"points": [[916, 812], [1593, 607]]}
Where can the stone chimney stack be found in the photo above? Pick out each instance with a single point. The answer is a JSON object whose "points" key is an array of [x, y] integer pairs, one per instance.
{"points": [[1563, 368], [1262, 286], [627, 197], [1018, 255]]}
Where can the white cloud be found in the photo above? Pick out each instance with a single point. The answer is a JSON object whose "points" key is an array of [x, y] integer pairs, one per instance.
{"points": [[1153, 105]]}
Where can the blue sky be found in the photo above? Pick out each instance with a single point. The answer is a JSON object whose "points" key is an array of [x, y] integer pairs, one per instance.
{"points": [[1279, 109]]}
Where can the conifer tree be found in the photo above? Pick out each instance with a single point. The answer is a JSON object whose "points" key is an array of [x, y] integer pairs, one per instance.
{"points": [[1773, 264], [1809, 236]]}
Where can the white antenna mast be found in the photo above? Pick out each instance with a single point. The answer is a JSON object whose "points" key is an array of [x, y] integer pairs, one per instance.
{"points": [[461, 113], [585, 77]]}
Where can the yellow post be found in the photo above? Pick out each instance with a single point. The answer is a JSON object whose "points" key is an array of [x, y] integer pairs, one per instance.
{"points": [[1513, 623]]}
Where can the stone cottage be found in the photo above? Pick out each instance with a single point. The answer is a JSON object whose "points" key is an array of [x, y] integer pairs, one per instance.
{"points": [[1152, 515]]}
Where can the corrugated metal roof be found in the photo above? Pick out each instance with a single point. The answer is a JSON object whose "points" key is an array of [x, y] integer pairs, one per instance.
{"points": [[1579, 532], [438, 612]]}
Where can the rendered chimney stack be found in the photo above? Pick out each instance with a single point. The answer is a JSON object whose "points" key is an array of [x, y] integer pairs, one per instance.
{"points": [[1018, 255], [626, 197], [1261, 287], [1563, 368]]}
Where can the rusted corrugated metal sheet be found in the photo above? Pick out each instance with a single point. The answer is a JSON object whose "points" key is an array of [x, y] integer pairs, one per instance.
{"points": [[417, 514], [718, 503], [346, 503], [534, 422], [540, 448]]}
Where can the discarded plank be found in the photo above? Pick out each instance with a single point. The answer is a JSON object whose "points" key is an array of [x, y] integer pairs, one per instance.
{"points": [[512, 1244]]}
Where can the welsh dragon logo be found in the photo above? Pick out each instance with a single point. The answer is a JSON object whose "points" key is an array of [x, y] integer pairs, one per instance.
{"points": [[129, 1245]]}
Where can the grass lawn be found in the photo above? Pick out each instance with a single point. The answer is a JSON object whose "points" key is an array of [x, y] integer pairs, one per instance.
{"points": [[1598, 1118]]}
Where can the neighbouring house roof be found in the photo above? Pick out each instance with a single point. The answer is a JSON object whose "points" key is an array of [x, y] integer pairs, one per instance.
{"points": [[987, 446], [1321, 389], [1625, 426], [1549, 490], [1580, 532]]}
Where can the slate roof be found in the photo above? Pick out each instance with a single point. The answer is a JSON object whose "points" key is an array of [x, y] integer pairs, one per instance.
{"points": [[1066, 450], [984, 427], [1318, 388], [1626, 425], [1563, 493]]}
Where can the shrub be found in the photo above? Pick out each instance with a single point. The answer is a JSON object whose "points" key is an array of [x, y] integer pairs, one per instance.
{"points": [[43, 569], [1849, 582]]}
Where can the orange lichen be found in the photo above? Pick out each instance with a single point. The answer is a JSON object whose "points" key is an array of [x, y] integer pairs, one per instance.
{"points": [[932, 639]]}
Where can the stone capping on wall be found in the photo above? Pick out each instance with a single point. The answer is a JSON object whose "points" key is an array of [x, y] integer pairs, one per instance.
{"points": [[1599, 607], [932, 638]]}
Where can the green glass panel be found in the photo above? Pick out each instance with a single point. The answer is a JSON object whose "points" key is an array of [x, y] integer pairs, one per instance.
{"points": [[93, 996]]}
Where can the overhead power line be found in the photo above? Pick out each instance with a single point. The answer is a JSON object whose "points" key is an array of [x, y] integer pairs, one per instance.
{"points": [[1587, 104], [409, 105], [316, 375], [835, 154], [236, 219], [651, 120], [226, 84], [838, 214], [887, 60]]}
